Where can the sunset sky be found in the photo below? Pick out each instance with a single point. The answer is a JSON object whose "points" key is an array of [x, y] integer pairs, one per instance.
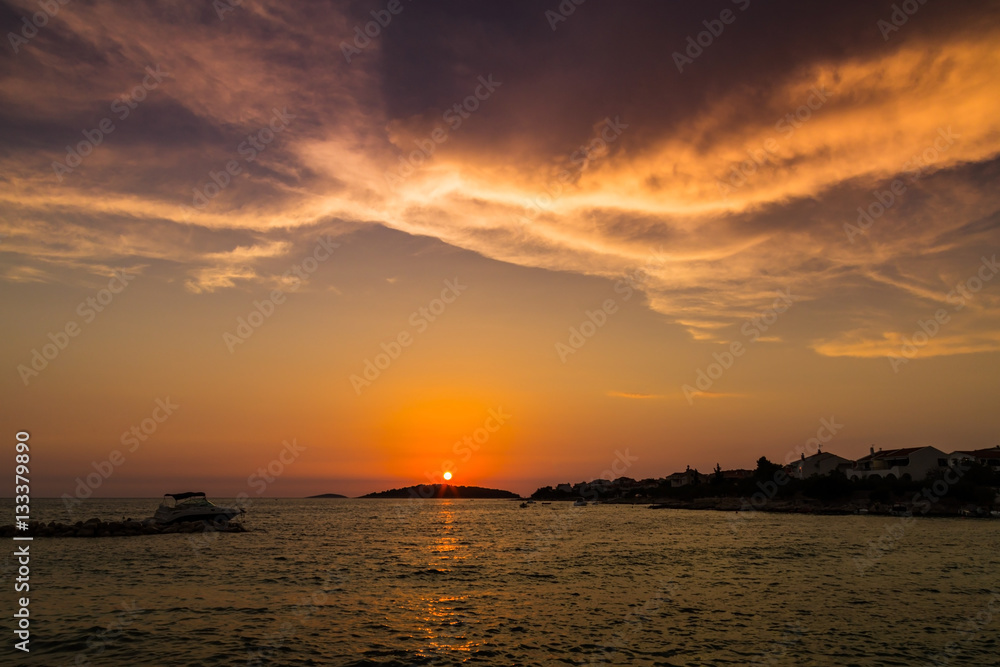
{"points": [[672, 233]]}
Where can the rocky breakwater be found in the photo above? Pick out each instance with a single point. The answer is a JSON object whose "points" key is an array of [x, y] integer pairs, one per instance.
{"points": [[98, 528]]}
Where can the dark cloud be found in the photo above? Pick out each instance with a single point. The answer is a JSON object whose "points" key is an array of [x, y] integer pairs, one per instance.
{"points": [[611, 59]]}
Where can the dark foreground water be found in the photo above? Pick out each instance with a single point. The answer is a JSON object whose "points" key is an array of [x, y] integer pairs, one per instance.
{"points": [[384, 582]]}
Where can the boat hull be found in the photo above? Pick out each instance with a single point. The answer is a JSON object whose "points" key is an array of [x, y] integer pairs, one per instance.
{"points": [[167, 516]]}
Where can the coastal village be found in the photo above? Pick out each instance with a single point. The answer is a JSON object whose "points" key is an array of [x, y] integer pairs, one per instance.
{"points": [[963, 482]]}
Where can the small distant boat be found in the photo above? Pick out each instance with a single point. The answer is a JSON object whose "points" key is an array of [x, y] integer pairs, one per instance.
{"points": [[861, 510], [531, 502], [546, 503], [191, 506], [523, 505], [580, 503]]}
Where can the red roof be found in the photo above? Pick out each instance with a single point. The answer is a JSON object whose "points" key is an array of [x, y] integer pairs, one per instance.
{"points": [[981, 453], [891, 453]]}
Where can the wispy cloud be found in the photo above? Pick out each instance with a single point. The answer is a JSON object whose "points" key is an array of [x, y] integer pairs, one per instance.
{"points": [[632, 395], [656, 185]]}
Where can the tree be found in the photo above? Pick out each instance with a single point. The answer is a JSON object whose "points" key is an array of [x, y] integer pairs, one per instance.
{"points": [[717, 478], [765, 469]]}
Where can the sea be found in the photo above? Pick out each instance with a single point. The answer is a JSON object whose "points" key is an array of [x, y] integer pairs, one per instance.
{"points": [[487, 582]]}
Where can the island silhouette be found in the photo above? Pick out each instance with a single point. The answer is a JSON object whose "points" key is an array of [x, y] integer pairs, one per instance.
{"points": [[442, 491]]}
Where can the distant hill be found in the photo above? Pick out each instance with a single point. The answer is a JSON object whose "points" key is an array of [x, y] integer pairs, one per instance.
{"points": [[327, 495], [442, 491]]}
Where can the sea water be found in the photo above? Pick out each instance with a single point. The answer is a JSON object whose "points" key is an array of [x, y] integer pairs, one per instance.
{"points": [[456, 582]]}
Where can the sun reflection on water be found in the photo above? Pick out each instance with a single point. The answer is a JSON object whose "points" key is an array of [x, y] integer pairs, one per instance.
{"points": [[445, 620]]}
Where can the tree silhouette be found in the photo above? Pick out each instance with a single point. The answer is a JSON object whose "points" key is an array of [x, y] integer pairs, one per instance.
{"points": [[717, 478], [765, 469]]}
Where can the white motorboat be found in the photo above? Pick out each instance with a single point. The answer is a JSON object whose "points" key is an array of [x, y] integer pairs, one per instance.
{"points": [[580, 503], [192, 506]]}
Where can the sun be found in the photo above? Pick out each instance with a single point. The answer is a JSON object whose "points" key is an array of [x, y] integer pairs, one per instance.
{"points": [[447, 476]]}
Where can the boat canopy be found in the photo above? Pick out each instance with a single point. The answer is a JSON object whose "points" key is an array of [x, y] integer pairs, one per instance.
{"points": [[182, 496]]}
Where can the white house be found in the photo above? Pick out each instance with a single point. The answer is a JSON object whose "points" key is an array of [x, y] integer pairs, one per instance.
{"points": [[986, 457], [681, 478], [821, 463], [894, 463]]}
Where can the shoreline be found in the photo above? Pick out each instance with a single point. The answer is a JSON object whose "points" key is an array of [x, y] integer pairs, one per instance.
{"points": [[942, 508]]}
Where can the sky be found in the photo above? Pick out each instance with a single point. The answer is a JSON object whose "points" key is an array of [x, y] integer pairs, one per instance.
{"points": [[290, 248]]}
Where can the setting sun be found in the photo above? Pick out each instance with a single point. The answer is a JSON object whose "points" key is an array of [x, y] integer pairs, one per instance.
{"points": [[669, 282]]}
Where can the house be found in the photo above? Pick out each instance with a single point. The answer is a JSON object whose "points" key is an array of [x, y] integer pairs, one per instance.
{"points": [[895, 463], [986, 457], [821, 463], [681, 478], [602, 485], [738, 473]]}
